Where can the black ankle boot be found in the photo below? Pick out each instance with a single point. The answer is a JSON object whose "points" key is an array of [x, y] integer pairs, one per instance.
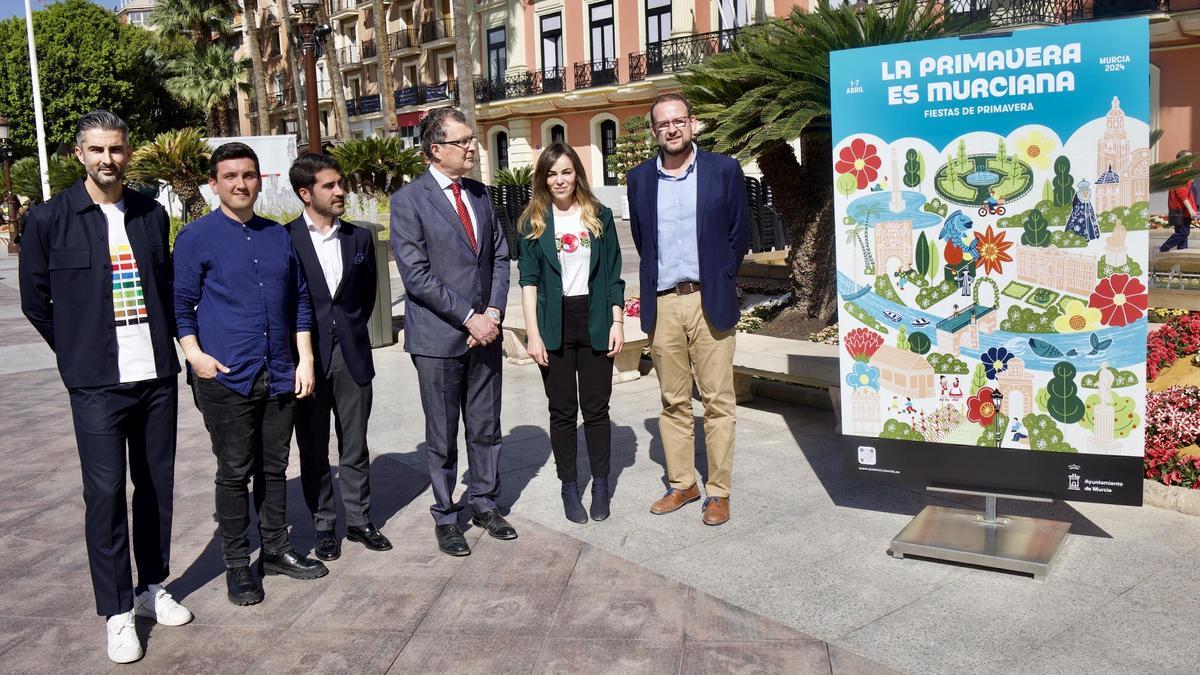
{"points": [[599, 498], [572, 505]]}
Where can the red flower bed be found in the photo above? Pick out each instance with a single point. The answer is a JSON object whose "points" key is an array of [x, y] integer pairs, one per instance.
{"points": [[1178, 338], [1172, 422]]}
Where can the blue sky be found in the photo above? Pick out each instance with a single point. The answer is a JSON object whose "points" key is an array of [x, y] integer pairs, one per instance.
{"points": [[17, 7]]}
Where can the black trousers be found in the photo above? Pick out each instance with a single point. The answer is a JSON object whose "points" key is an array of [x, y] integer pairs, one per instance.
{"points": [[251, 437], [138, 418], [578, 378], [468, 385], [1182, 223], [350, 403]]}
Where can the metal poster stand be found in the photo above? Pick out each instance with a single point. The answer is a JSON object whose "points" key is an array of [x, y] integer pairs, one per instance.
{"points": [[1013, 543]]}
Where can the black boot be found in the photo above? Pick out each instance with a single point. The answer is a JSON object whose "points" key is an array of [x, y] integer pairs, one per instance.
{"points": [[599, 498], [572, 504]]}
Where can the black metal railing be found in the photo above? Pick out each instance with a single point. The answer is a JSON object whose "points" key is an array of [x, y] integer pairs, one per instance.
{"points": [[349, 55], [403, 39], [364, 105], [988, 14], [436, 30], [280, 97], [498, 89], [676, 54], [597, 73], [508, 201], [369, 49], [548, 81], [338, 6]]}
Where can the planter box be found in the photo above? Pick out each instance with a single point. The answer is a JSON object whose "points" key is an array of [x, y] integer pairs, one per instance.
{"points": [[1171, 497]]}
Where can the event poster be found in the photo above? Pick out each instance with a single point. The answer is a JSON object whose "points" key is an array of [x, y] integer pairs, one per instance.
{"points": [[992, 207]]}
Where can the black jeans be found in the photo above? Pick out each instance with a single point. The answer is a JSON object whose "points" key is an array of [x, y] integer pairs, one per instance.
{"points": [[578, 378], [1182, 223], [251, 436], [350, 403], [138, 417]]}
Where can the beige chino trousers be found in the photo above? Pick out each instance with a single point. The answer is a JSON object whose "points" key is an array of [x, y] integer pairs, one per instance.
{"points": [[683, 342]]}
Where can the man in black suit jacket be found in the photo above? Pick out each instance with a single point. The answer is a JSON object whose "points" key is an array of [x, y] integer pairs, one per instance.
{"points": [[338, 259]]}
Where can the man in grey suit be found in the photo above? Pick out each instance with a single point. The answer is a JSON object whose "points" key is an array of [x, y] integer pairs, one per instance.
{"points": [[453, 259]]}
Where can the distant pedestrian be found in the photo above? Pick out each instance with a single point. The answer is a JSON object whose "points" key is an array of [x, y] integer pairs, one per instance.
{"points": [[96, 283], [1181, 211]]}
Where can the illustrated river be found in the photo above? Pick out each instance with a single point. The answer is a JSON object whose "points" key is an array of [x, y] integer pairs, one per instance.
{"points": [[1128, 346]]}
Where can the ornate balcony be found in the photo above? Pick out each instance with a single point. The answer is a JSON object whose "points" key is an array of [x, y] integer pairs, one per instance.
{"points": [[432, 31], [995, 14], [403, 39], [364, 105], [369, 49], [339, 7], [349, 56], [548, 81], [598, 73], [497, 89], [277, 98], [676, 54], [1107, 9]]}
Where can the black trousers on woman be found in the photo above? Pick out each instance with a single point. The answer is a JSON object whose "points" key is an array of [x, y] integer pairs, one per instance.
{"points": [[578, 378]]}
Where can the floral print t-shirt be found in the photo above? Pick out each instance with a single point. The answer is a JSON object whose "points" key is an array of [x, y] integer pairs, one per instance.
{"points": [[574, 245]]}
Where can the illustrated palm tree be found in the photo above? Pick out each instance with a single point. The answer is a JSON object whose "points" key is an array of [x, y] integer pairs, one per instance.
{"points": [[857, 234], [178, 158], [206, 79], [773, 88], [253, 42]]}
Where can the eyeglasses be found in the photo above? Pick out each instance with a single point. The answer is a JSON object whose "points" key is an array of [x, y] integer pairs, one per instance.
{"points": [[462, 143], [678, 122]]}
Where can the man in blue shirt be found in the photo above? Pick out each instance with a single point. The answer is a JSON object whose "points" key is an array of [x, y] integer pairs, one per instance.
{"points": [[688, 220], [241, 308]]}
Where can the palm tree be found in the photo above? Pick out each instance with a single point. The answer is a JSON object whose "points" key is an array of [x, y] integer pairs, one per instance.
{"points": [[178, 158], [464, 67], [1175, 173], [206, 79], [253, 42], [196, 20], [383, 48], [334, 67], [377, 166], [774, 88]]}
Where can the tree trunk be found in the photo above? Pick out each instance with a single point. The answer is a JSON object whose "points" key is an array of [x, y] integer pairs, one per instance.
{"points": [[222, 114], [193, 202], [262, 120], [334, 65], [214, 122], [464, 70], [808, 215], [383, 48]]}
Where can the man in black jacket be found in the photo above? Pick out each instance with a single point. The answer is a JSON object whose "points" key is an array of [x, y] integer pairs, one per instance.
{"points": [[338, 259], [96, 282]]}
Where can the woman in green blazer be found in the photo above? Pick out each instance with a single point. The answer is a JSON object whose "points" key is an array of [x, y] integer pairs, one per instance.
{"points": [[574, 302]]}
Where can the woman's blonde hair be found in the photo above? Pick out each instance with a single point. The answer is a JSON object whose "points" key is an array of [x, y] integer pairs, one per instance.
{"points": [[534, 215]]}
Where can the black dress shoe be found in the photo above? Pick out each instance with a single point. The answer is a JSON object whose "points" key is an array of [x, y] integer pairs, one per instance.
{"points": [[327, 546], [243, 587], [368, 536], [292, 564], [451, 541], [495, 524]]}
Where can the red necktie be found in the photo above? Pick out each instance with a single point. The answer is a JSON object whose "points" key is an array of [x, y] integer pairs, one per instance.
{"points": [[464, 216]]}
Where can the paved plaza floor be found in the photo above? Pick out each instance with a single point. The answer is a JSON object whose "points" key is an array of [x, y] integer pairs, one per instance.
{"points": [[798, 581]]}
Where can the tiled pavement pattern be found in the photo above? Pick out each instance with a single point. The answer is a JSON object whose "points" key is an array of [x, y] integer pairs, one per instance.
{"points": [[544, 603], [806, 548]]}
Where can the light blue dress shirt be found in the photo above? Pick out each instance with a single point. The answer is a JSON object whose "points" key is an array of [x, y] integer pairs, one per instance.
{"points": [[678, 257]]}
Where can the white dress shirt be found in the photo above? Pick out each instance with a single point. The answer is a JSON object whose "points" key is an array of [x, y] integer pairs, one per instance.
{"points": [[444, 183], [329, 252]]}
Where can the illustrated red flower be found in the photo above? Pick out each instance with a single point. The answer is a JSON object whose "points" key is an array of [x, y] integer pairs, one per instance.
{"points": [[570, 242], [859, 158], [993, 250], [862, 343], [981, 407], [1121, 299]]}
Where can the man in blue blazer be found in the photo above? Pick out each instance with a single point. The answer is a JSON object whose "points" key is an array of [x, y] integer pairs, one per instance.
{"points": [[453, 260], [688, 216], [338, 260]]}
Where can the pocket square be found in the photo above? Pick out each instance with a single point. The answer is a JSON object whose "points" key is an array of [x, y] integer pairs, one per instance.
{"points": [[359, 258]]}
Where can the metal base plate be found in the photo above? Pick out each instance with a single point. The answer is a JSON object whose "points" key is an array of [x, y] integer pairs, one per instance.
{"points": [[1014, 543]]}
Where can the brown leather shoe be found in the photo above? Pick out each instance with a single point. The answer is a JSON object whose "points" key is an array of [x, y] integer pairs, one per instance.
{"points": [[716, 510], [675, 499]]}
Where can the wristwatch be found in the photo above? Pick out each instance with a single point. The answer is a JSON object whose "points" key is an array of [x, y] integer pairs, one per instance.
{"points": [[493, 314]]}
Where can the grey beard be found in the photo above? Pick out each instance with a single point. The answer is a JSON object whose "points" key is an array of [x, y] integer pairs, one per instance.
{"points": [[105, 181]]}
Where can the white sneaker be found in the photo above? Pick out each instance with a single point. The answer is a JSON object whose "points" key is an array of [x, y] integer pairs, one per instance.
{"points": [[156, 603], [123, 643]]}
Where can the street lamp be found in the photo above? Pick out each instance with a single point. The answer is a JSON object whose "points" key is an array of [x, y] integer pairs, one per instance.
{"points": [[10, 200], [291, 123], [308, 43], [998, 401]]}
